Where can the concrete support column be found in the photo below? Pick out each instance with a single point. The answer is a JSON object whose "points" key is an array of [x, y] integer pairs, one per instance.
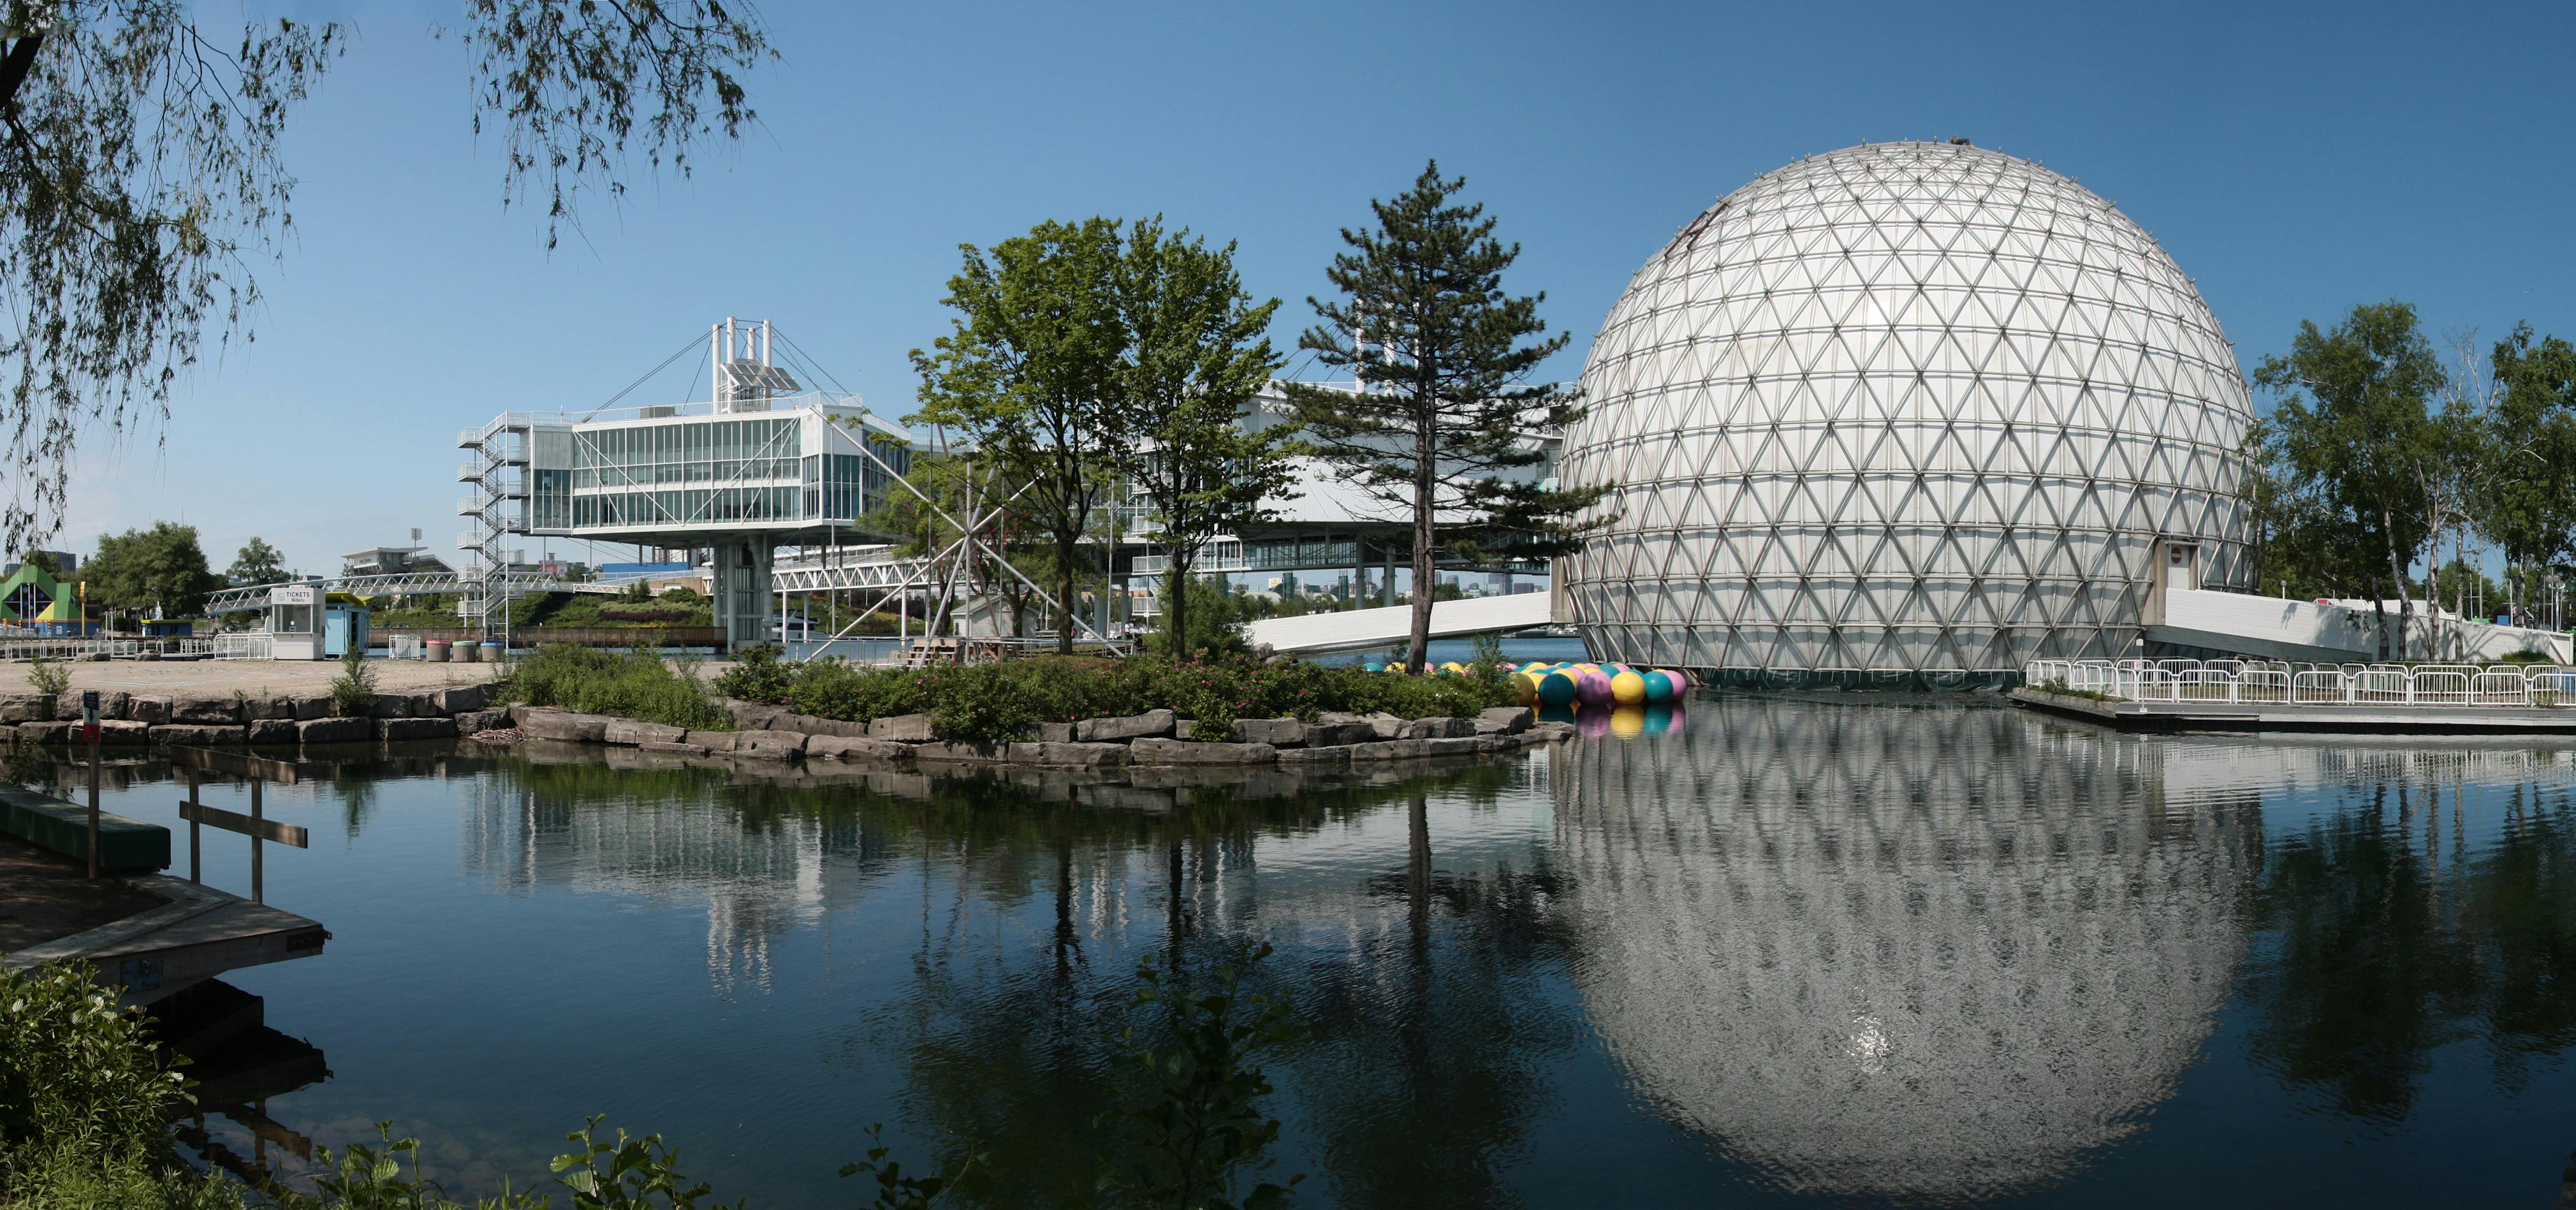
{"points": [[742, 591]]}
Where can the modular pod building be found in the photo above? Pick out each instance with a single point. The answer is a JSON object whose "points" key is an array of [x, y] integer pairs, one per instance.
{"points": [[1903, 408], [755, 469]]}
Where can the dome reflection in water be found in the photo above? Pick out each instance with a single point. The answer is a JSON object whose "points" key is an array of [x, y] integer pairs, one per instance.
{"points": [[1878, 951]]}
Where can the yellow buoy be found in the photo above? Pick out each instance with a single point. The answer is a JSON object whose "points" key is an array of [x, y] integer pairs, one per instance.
{"points": [[1628, 689]]}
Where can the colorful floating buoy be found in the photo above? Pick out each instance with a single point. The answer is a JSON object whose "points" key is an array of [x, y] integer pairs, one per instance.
{"points": [[1659, 687], [1592, 687], [1556, 688], [1372, 666], [1628, 689]]}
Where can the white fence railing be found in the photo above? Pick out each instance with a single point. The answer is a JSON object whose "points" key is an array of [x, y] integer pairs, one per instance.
{"points": [[2250, 681]]}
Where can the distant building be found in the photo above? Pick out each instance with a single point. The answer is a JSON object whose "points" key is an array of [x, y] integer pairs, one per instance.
{"points": [[390, 560]]}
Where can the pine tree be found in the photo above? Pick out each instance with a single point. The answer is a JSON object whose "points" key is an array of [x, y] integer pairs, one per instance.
{"points": [[1445, 413]]}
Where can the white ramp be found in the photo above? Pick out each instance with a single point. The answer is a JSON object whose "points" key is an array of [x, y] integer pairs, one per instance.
{"points": [[1354, 629]]}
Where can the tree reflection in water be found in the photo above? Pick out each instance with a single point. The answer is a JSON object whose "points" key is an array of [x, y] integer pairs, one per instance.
{"points": [[2391, 932]]}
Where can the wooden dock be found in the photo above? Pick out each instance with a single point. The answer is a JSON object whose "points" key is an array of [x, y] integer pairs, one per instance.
{"points": [[147, 934]]}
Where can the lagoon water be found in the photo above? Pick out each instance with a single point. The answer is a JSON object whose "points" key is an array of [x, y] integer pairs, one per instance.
{"points": [[1879, 950]]}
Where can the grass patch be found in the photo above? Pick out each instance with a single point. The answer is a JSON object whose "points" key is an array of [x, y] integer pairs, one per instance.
{"points": [[639, 684]]}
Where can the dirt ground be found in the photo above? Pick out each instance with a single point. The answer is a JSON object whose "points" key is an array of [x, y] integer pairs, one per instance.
{"points": [[217, 678]]}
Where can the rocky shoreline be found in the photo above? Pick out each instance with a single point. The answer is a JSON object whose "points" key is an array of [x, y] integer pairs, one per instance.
{"points": [[1152, 738], [137, 720], [1155, 738]]}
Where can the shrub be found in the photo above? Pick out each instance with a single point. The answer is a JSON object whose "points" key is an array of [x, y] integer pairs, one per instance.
{"points": [[53, 678], [78, 1075], [757, 676], [353, 692], [638, 684]]}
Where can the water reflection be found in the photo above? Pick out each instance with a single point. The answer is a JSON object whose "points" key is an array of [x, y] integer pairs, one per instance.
{"points": [[1876, 951], [1930, 952]]}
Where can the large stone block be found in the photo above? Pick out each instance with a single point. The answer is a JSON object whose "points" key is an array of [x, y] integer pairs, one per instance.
{"points": [[401, 705], [769, 745], [564, 725], [1152, 724], [753, 716], [1554, 730], [631, 732], [1276, 732], [1070, 755], [851, 747], [268, 707], [206, 711], [112, 703], [415, 728], [1153, 751], [482, 720], [126, 732], [42, 732], [148, 708], [199, 735], [902, 728], [1507, 720], [1387, 726], [961, 751], [312, 706], [1437, 728], [1053, 733], [1497, 741], [1388, 749], [265, 730], [1312, 757], [811, 725], [462, 699], [1340, 734], [30, 707], [681, 749], [333, 730], [1454, 745]]}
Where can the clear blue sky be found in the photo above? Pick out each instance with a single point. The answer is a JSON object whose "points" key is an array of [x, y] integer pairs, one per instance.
{"points": [[2296, 159]]}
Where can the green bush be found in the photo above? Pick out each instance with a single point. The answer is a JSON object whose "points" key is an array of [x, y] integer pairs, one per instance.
{"points": [[353, 692], [757, 676], [638, 684], [999, 701]]}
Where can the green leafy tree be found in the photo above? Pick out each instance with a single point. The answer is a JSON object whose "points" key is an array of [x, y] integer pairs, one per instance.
{"points": [[2351, 434], [256, 563], [2528, 495], [1192, 364], [1446, 414], [142, 176], [141, 569], [1025, 370]]}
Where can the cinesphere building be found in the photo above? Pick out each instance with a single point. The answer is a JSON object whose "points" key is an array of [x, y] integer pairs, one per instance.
{"points": [[1908, 408]]}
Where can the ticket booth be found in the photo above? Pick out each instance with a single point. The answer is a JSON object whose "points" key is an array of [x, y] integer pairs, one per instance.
{"points": [[295, 622]]}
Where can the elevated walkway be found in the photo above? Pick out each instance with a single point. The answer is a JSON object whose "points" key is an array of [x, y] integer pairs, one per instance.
{"points": [[1360, 629], [2276, 629]]}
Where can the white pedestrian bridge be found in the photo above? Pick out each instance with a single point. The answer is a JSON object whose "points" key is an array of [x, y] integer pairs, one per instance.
{"points": [[2265, 683], [1358, 629]]}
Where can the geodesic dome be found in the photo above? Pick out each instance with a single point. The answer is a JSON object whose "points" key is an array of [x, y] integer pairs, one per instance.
{"points": [[1908, 407]]}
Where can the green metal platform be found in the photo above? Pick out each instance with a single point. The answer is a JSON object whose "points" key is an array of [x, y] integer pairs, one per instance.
{"points": [[125, 846]]}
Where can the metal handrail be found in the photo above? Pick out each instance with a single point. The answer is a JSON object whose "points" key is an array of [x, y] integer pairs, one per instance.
{"points": [[2354, 684]]}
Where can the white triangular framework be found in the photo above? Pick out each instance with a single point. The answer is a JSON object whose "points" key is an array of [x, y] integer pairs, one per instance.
{"points": [[1903, 407]]}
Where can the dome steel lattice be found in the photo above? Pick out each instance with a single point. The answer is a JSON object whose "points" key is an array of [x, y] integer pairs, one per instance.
{"points": [[1908, 407]]}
